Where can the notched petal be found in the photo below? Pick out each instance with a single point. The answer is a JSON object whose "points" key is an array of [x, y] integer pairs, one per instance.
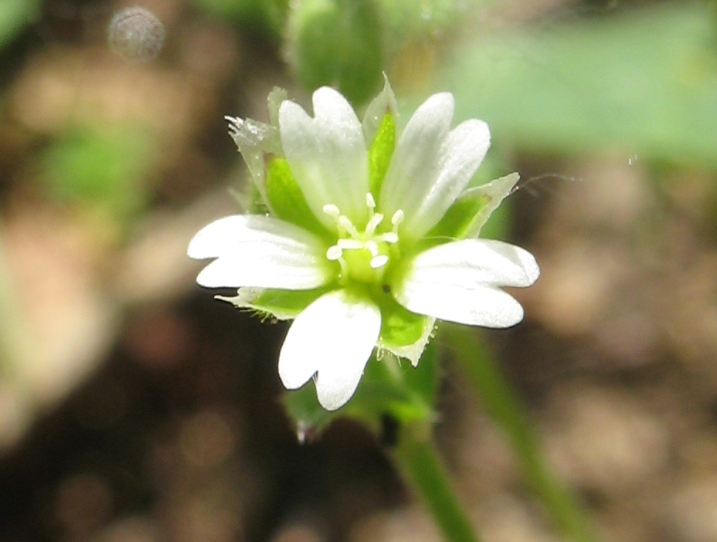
{"points": [[460, 282], [334, 338], [327, 154], [261, 252]]}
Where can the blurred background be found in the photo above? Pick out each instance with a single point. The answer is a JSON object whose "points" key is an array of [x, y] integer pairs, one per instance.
{"points": [[134, 407]]}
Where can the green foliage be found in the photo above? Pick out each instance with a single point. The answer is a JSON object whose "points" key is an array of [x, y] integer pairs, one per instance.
{"points": [[409, 20], [16, 15], [644, 83], [100, 166], [337, 43], [266, 16]]}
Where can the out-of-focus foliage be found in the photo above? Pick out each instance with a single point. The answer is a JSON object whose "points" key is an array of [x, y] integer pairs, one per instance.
{"points": [[14, 16], [337, 42], [643, 83], [104, 167], [406, 20], [343, 43], [265, 16]]}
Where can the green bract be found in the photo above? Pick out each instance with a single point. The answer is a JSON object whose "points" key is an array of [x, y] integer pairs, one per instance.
{"points": [[371, 235]]}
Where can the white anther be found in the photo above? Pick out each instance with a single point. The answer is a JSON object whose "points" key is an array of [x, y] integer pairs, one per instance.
{"points": [[370, 202], [334, 253], [378, 261], [331, 210], [397, 217]]}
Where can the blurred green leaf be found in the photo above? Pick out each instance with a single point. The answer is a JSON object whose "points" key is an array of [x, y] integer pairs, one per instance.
{"points": [[101, 166], [643, 83], [481, 371], [409, 19], [265, 16], [14, 16]]}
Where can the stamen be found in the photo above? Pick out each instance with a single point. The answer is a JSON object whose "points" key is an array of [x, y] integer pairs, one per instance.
{"points": [[347, 225], [372, 247], [388, 237], [373, 223]]}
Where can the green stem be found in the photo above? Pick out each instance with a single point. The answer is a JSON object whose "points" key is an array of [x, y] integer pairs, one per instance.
{"points": [[418, 461], [507, 411]]}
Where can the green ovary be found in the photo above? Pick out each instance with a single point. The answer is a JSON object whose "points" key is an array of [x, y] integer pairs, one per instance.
{"points": [[358, 264]]}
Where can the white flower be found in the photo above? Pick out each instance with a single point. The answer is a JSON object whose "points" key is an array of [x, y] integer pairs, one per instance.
{"points": [[369, 255]]}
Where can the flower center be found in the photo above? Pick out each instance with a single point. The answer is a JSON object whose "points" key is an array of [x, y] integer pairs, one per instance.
{"points": [[363, 255]]}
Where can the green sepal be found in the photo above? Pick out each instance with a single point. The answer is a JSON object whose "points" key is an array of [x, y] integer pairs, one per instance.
{"points": [[308, 416], [389, 387], [279, 304], [465, 218], [285, 198], [286, 304], [399, 326], [384, 103], [380, 153]]}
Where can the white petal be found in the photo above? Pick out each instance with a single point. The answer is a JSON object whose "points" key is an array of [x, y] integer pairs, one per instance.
{"points": [[327, 154], [460, 282], [461, 154], [415, 162], [334, 337], [431, 166], [262, 252]]}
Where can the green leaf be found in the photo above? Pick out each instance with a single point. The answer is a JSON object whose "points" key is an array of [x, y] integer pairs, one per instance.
{"points": [[380, 153], [265, 16], [16, 15], [285, 198], [104, 166], [643, 83], [337, 43]]}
